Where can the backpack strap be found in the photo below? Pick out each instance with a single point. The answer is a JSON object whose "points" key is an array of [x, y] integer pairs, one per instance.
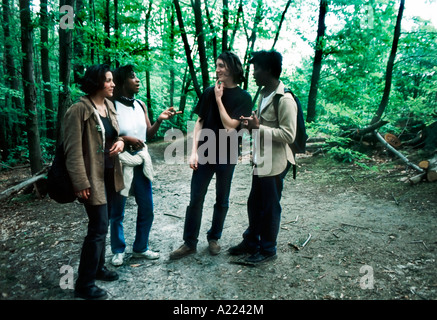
{"points": [[276, 99]]}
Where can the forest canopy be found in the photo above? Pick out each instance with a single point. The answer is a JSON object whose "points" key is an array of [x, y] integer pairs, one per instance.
{"points": [[351, 63]]}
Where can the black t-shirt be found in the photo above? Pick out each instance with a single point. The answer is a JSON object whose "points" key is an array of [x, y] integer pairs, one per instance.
{"points": [[110, 135], [237, 103]]}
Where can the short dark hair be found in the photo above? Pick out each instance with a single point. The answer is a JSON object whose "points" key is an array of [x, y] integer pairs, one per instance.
{"points": [[94, 78], [121, 74], [268, 60], [234, 65]]}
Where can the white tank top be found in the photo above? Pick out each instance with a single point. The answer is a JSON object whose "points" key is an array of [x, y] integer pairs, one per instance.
{"points": [[131, 120]]}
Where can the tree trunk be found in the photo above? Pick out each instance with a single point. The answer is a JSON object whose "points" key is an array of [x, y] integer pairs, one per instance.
{"points": [[201, 42], [29, 88], [107, 42], [211, 29], [251, 41], [11, 79], [280, 23], [45, 72], [65, 56], [390, 64], [148, 89], [317, 64], [172, 56], [116, 31], [236, 25], [225, 25], [78, 42], [187, 48]]}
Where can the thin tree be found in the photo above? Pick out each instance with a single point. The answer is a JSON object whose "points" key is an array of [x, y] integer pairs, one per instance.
{"points": [[12, 81], [390, 64], [187, 48], [65, 66], [147, 49], [45, 72], [29, 88], [317, 64], [225, 25], [201, 42]]}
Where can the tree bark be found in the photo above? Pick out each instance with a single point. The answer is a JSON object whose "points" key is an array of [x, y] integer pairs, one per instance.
{"points": [[317, 64], [29, 88], [187, 48], [65, 57], [211, 29], [148, 88], [236, 25], [251, 41], [225, 25], [390, 64], [45, 72], [7, 120], [201, 42], [280, 23]]}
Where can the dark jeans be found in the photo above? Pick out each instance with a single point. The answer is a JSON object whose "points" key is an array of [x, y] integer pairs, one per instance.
{"points": [[264, 211], [92, 257], [199, 187]]}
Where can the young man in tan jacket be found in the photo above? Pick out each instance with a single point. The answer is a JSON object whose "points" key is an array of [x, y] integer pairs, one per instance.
{"points": [[273, 129]]}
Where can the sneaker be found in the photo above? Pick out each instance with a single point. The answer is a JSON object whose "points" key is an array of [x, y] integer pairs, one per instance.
{"points": [[181, 252], [259, 257], [106, 275], [213, 247], [90, 293], [117, 259], [240, 249], [149, 254]]}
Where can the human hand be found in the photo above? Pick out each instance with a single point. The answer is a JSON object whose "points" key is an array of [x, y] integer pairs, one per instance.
{"points": [[84, 194], [168, 114], [251, 122], [194, 161], [117, 148], [218, 90]]}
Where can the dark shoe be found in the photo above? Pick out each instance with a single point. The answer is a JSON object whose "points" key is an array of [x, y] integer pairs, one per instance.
{"points": [[213, 247], [240, 249], [90, 293], [106, 275], [258, 257], [181, 252]]}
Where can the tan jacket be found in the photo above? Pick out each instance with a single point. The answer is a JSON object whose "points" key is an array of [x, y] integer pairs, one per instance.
{"points": [[280, 129], [83, 145]]}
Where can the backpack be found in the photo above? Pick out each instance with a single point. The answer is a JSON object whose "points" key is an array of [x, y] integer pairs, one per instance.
{"points": [[59, 185], [299, 143]]}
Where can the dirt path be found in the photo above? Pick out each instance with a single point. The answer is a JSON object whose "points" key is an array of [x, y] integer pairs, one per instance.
{"points": [[363, 245]]}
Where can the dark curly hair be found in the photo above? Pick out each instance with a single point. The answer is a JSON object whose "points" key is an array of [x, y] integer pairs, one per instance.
{"points": [[94, 78], [234, 65], [268, 60]]}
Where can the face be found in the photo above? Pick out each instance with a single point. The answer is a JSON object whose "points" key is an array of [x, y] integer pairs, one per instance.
{"points": [[109, 85], [132, 85], [259, 75], [222, 71]]}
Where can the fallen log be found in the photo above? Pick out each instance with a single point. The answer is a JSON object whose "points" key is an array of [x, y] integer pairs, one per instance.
{"points": [[397, 153], [8, 192]]}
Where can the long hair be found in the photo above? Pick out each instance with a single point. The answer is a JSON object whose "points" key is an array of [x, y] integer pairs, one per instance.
{"points": [[234, 65]]}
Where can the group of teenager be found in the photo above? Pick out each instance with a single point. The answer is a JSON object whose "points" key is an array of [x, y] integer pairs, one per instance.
{"points": [[105, 136]]}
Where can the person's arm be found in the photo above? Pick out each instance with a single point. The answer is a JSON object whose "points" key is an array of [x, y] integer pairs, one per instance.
{"points": [[194, 158], [227, 121]]}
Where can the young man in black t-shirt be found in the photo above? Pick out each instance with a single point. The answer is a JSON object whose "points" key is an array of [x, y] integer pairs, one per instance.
{"points": [[219, 109]]}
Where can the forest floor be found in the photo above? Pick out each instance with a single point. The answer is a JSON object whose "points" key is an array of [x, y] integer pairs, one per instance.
{"points": [[372, 238]]}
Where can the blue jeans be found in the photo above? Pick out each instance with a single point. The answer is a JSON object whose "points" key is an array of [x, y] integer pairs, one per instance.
{"points": [[264, 211], [142, 190], [199, 187]]}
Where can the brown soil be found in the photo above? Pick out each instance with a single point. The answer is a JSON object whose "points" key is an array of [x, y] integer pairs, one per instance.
{"points": [[363, 225]]}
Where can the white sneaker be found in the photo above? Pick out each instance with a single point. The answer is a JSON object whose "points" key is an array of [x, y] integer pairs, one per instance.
{"points": [[149, 254], [117, 259]]}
